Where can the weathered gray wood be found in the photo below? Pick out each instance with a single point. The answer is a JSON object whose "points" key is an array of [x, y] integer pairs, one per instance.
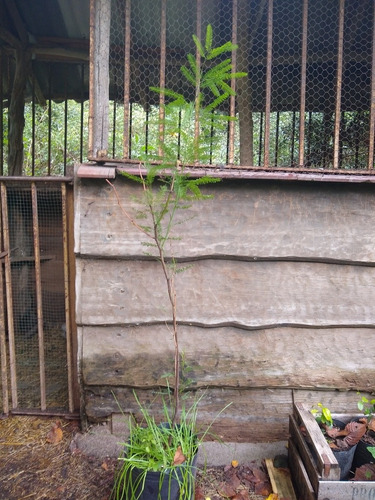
{"points": [[326, 463], [300, 478], [100, 80], [214, 292], [300, 451], [254, 415], [256, 220], [138, 356]]}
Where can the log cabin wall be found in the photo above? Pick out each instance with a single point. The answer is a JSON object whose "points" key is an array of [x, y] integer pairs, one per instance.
{"points": [[276, 304]]}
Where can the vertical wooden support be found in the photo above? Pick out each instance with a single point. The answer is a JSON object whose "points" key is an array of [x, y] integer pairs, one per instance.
{"points": [[197, 83], [268, 85], [370, 164], [127, 42], [100, 23], [39, 304], [340, 48], [69, 356], [302, 110], [232, 108], [9, 297], [1, 114], [163, 51], [3, 347]]}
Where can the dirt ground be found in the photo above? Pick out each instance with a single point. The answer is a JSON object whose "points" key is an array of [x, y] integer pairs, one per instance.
{"points": [[39, 462]]}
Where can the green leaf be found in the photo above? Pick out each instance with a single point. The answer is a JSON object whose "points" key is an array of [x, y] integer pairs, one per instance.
{"points": [[209, 37], [199, 45], [226, 47]]}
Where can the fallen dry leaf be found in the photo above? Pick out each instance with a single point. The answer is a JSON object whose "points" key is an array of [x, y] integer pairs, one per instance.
{"points": [[225, 490], [55, 435], [179, 457], [234, 463]]}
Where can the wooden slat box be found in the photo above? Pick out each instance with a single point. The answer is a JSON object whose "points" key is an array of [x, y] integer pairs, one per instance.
{"points": [[314, 468]]}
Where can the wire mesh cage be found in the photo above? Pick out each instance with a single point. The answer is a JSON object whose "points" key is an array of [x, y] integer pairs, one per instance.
{"points": [[35, 358], [308, 98]]}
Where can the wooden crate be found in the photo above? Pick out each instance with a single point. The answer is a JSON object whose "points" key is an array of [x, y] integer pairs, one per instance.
{"points": [[314, 469]]}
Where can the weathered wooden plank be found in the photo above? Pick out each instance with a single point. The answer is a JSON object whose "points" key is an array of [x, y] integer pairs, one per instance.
{"points": [[214, 292], [327, 465], [281, 481], [253, 220], [253, 416], [300, 451], [138, 356], [301, 480]]}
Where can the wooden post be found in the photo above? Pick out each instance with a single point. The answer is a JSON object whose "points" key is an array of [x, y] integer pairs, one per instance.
{"points": [[100, 22]]}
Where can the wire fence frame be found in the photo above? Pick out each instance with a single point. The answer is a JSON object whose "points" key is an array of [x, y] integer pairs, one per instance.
{"points": [[11, 341], [267, 115]]}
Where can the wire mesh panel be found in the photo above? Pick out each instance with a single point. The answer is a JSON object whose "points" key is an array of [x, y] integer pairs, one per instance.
{"points": [[308, 99], [36, 361]]}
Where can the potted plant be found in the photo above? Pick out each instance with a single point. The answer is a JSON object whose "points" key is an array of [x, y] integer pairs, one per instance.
{"points": [[158, 461], [341, 437], [364, 454]]}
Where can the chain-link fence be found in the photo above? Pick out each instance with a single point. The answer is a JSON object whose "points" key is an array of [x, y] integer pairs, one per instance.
{"points": [[308, 99]]}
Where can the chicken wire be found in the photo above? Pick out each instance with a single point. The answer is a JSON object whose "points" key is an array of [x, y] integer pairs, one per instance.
{"points": [[33, 328], [308, 100]]}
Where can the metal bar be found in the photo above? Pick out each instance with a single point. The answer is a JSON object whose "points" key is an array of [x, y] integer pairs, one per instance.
{"points": [[38, 289], [277, 137], [163, 52], [197, 83], [340, 46], [9, 297], [33, 127], [127, 78], [49, 121], [147, 128], [65, 131], [130, 128], [370, 164], [114, 130], [82, 113], [302, 109], [232, 109], [91, 80], [3, 346], [260, 139], [293, 138], [268, 85], [67, 298]]}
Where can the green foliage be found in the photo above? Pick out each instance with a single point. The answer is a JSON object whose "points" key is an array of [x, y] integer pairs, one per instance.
{"points": [[153, 447], [365, 405], [167, 188], [323, 415], [371, 449]]}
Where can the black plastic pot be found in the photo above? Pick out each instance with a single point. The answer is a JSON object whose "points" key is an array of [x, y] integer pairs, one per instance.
{"points": [[345, 460], [362, 455], [163, 485], [344, 457]]}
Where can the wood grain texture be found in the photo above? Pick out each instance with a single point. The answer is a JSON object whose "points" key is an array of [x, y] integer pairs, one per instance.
{"points": [[254, 416], [214, 292], [139, 356], [244, 219]]}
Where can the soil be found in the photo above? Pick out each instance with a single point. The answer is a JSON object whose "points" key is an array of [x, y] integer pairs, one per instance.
{"points": [[39, 462]]}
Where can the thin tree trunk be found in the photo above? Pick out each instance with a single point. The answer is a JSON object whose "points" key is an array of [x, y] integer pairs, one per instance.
{"points": [[16, 112]]}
